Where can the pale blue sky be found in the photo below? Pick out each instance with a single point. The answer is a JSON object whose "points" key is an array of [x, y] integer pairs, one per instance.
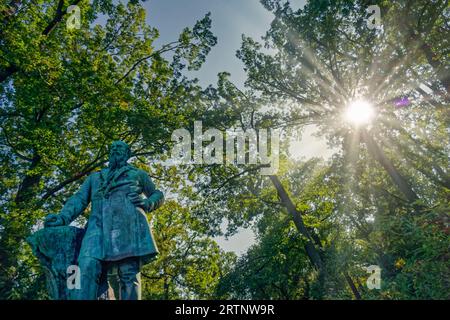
{"points": [[230, 19]]}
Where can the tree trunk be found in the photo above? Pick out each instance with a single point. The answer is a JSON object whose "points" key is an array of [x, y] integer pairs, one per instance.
{"points": [[13, 234], [311, 250], [395, 175], [441, 72], [352, 286], [8, 71], [25, 191]]}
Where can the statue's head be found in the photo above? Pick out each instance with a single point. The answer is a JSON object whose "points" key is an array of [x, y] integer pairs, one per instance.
{"points": [[119, 153]]}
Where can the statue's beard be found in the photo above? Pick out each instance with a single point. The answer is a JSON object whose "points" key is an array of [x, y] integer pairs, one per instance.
{"points": [[117, 160]]}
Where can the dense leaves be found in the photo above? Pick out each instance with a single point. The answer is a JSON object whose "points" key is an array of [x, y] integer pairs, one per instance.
{"points": [[66, 94], [386, 188], [382, 198]]}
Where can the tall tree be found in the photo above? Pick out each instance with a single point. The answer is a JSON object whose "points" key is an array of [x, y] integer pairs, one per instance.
{"points": [[65, 94], [325, 56]]}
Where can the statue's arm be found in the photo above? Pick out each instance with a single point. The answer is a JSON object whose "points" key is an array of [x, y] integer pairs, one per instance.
{"points": [[77, 203], [155, 198]]}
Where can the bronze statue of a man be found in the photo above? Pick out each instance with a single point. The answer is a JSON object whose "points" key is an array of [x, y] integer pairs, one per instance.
{"points": [[117, 233]]}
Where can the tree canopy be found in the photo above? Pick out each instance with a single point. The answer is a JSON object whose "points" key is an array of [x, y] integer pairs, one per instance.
{"points": [[382, 199]]}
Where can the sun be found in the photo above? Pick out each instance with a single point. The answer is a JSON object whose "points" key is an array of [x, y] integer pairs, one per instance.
{"points": [[359, 112]]}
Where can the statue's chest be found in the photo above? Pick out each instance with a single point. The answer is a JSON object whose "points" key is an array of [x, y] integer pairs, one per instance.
{"points": [[120, 184]]}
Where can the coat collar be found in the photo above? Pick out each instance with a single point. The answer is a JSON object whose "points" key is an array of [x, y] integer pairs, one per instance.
{"points": [[108, 181]]}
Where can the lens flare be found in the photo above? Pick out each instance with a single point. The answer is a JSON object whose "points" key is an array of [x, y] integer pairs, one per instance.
{"points": [[359, 112]]}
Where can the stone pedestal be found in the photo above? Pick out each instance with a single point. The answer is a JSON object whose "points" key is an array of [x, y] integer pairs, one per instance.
{"points": [[57, 248]]}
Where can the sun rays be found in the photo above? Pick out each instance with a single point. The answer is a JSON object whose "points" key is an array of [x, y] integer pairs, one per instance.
{"points": [[359, 112]]}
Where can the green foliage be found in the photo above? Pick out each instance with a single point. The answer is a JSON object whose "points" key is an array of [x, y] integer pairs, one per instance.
{"points": [[276, 268], [65, 95], [419, 245], [190, 264], [322, 57]]}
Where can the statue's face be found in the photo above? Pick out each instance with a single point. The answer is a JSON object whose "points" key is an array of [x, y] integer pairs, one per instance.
{"points": [[118, 154]]}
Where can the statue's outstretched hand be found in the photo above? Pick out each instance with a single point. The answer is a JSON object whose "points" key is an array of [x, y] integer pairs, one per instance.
{"points": [[54, 220]]}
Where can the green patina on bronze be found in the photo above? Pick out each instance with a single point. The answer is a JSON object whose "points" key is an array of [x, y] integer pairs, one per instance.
{"points": [[117, 233], [57, 248]]}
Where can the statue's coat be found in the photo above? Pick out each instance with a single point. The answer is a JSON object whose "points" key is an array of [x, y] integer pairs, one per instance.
{"points": [[116, 229]]}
